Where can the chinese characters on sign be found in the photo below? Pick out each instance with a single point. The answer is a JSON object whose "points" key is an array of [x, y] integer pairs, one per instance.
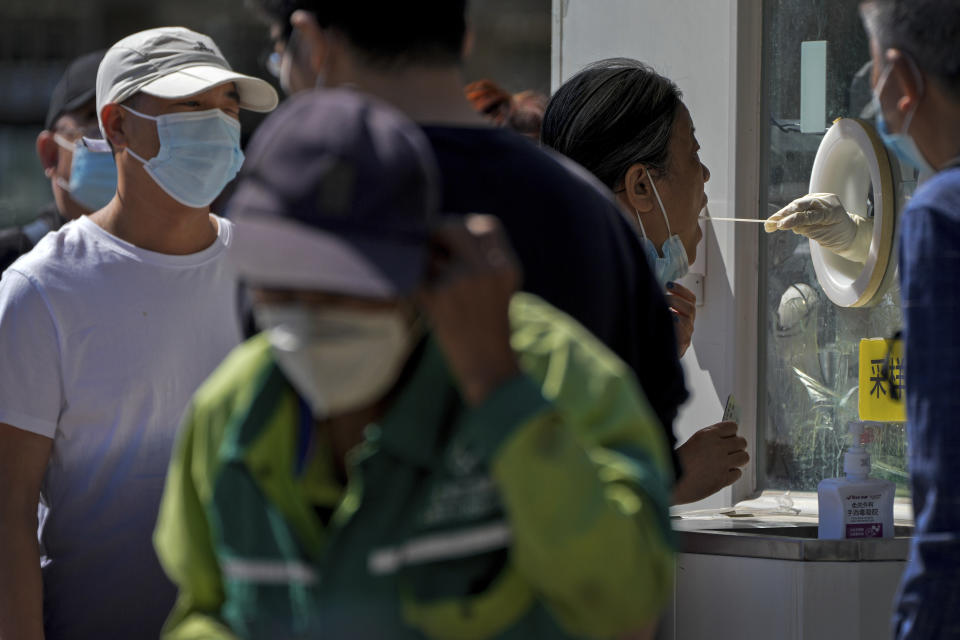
{"points": [[882, 380], [886, 374]]}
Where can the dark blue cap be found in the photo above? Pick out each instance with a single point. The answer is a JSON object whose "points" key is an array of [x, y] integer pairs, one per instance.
{"points": [[76, 87], [338, 193]]}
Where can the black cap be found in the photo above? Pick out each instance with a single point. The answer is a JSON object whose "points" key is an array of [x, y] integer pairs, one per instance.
{"points": [[77, 87], [338, 194]]}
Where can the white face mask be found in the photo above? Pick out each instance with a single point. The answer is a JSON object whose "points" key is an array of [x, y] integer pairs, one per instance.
{"points": [[674, 263], [338, 360]]}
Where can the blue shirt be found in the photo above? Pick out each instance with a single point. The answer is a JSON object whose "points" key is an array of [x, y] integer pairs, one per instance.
{"points": [[928, 605]]}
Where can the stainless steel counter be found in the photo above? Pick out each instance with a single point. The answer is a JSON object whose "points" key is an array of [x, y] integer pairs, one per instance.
{"points": [[782, 539]]}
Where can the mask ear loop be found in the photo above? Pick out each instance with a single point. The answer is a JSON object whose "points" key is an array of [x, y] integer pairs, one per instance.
{"points": [[64, 143], [139, 115], [663, 209], [643, 232], [921, 89], [663, 212], [882, 82]]}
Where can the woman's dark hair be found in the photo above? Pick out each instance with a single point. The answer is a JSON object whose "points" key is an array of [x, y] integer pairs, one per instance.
{"points": [[613, 114]]}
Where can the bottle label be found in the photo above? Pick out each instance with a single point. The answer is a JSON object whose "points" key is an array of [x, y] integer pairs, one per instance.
{"points": [[874, 530], [862, 516]]}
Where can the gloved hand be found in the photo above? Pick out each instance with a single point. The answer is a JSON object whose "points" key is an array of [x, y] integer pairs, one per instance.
{"points": [[822, 217]]}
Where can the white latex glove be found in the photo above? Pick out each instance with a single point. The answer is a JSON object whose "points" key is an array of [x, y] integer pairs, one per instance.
{"points": [[822, 217]]}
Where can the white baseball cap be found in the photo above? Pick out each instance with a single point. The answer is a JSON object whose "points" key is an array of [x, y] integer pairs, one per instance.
{"points": [[173, 62]]}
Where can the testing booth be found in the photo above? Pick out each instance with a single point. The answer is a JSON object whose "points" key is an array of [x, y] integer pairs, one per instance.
{"points": [[779, 92]]}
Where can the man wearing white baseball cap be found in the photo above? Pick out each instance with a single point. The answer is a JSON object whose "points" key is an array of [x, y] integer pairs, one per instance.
{"points": [[106, 328]]}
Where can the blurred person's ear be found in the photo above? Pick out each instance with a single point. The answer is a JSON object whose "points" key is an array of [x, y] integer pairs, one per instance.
{"points": [[313, 37], [48, 151], [469, 40], [113, 125], [906, 81], [637, 190]]}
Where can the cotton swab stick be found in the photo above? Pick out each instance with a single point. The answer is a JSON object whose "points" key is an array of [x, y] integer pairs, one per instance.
{"points": [[733, 219]]}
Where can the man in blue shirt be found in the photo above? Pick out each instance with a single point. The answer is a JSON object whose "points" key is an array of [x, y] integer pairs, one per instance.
{"points": [[916, 85], [916, 78]]}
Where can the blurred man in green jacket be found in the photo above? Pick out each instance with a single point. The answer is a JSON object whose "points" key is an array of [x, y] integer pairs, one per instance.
{"points": [[410, 449]]}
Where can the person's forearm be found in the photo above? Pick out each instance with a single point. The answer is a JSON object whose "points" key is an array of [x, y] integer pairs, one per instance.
{"points": [[21, 590]]}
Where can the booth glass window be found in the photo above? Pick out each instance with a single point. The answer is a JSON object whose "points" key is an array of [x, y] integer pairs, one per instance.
{"points": [[816, 64]]}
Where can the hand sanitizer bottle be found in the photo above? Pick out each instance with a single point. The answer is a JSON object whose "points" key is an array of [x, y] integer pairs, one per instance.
{"points": [[856, 506]]}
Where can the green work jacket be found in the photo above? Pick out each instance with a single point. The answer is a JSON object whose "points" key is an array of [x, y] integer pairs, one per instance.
{"points": [[541, 513]]}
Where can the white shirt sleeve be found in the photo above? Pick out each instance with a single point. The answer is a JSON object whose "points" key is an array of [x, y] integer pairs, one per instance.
{"points": [[31, 393]]}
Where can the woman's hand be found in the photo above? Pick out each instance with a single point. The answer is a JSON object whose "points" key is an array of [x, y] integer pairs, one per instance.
{"points": [[710, 460], [683, 307]]}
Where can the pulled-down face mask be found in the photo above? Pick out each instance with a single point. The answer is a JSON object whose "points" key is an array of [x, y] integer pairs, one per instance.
{"points": [[673, 262]]}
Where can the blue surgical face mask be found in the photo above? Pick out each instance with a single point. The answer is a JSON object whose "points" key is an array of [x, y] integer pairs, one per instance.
{"points": [[902, 144], [673, 264], [93, 175], [199, 154]]}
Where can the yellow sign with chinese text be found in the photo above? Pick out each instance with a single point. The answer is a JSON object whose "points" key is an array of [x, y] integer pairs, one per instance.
{"points": [[882, 382]]}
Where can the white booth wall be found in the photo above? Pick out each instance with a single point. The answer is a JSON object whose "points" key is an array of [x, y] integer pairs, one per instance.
{"points": [[711, 49]]}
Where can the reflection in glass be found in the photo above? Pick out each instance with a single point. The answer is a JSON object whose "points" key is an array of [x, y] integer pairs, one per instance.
{"points": [[810, 346]]}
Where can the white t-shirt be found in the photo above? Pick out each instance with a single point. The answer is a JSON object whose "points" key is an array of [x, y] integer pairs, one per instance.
{"points": [[102, 345]]}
